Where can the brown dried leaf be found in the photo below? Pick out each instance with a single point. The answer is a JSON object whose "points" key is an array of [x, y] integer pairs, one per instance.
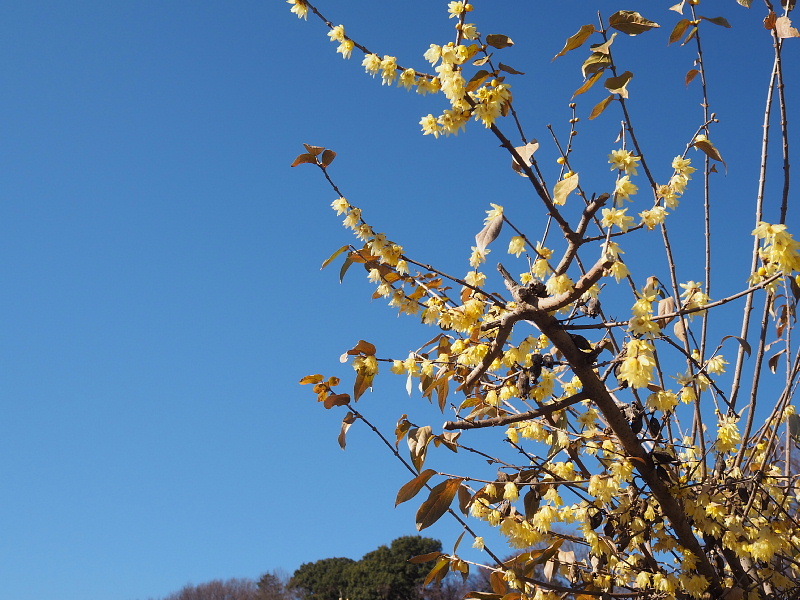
{"points": [[691, 36], [348, 420], [619, 84], [679, 329], [423, 558], [510, 70], [665, 307], [311, 379], [477, 80], [773, 361], [600, 107], [742, 342], [588, 84], [784, 29], [333, 256], [412, 488], [525, 153], [564, 188], [304, 159], [490, 232], [418, 440], [437, 503], [679, 29], [327, 157], [709, 149], [482, 61], [577, 40], [336, 400], [605, 47], [631, 22], [691, 75], [439, 571], [678, 8], [721, 21], [596, 62], [314, 150], [498, 40]]}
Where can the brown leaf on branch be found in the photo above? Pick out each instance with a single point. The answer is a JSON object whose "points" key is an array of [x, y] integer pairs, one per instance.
{"points": [[631, 22]]}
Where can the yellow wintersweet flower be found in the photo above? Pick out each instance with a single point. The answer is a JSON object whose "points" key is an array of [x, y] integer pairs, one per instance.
{"points": [[456, 8], [346, 48], [340, 205], [299, 7], [510, 491], [388, 70], [637, 366], [453, 120], [478, 256], [407, 79], [470, 31], [670, 195], [663, 400], [619, 270], [517, 245], [654, 216], [428, 86], [475, 278], [716, 364], [682, 166], [337, 34], [624, 160], [495, 211], [372, 64], [430, 126], [616, 216], [624, 189], [479, 543], [728, 437], [433, 54], [559, 284], [353, 218]]}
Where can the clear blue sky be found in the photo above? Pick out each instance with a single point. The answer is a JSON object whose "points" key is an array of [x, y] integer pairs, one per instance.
{"points": [[161, 290]]}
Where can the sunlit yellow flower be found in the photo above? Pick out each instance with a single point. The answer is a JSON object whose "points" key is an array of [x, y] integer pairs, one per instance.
{"points": [[559, 284], [340, 205], [517, 245], [430, 126], [299, 7], [624, 189], [388, 70], [408, 78], [624, 160], [654, 216], [337, 34], [616, 216], [637, 366], [372, 64]]}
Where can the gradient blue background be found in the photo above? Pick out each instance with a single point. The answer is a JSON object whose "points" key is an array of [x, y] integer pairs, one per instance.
{"points": [[161, 293]]}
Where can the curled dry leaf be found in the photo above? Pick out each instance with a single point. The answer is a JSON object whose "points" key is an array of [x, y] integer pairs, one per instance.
{"points": [[498, 40], [784, 29], [619, 84], [490, 232], [631, 22], [577, 40], [348, 420], [665, 307], [600, 107], [525, 153]]}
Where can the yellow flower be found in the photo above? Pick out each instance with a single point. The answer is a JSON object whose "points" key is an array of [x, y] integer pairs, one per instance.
{"points": [[408, 78], [616, 216], [456, 8], [637, 366], [340, 205], [372, 64], [494, 212], [346, 48], [682, 166], [663, 400], [625, 188], [433, 54], [430, 126], [388, 70], [510, 491], [478, 256], [728, 437], [624, 160], [619, 270], [517, 245], [654, 216], [299, 7], [470, 31], [337, 34], [479, 543], [559, 284]]}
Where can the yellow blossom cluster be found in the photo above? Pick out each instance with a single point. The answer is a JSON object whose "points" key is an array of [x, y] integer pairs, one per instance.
{"points": [[779, 253], [638, 365], [642, 323]]}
